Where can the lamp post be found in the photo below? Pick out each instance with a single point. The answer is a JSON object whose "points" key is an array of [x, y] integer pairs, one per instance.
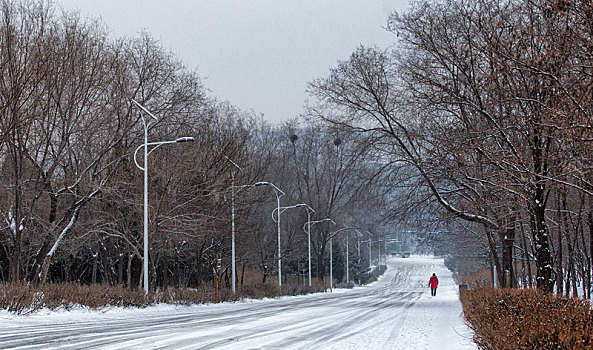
{"points": [[309, 223], [347, 252], [279, 193], [358, 257], [331, 265], [233, 240], [280, 210], [331, 260], [370, 254], [347, 262], [145, 169], [348, 257], [358, 234], [370, 249], [233, 267]]}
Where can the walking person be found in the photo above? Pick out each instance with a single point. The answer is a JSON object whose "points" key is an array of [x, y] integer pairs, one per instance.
{"points": [[433, 284]]}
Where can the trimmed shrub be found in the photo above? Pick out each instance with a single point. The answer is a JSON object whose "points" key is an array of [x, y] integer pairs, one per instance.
{"points": [[527, 319], [21, 298]]}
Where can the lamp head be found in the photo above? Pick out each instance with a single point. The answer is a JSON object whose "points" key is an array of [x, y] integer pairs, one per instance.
{"points": [[185, 139]]}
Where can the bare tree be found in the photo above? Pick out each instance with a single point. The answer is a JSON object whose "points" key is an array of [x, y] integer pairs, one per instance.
{"points": [[470, 100]]}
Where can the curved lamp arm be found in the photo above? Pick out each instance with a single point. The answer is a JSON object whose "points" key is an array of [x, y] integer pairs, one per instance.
{"points": [[282, 209], [157, 145], [317, 221]]}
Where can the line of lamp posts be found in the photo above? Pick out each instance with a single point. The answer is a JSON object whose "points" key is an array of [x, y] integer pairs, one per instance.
{"points": [[306, 228], [275, 213]]}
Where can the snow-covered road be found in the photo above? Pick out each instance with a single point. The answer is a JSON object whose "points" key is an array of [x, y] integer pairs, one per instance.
{"points": [[396, 312]]}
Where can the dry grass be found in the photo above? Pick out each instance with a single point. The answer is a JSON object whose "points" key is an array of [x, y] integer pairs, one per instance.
{"points": [[527, 319], [21, 298]]}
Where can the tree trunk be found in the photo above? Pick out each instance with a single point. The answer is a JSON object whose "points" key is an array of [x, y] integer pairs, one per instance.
{"points": [[561, 219], [120, 269], [129, 271], [568, 277], [523, 269], [559, 265], [242, 273], [35, 274], [527, 258], [571, 278], [508, 240], [46, 264], [94, 273], [590, 249], [165, 275], [15, 228], [494, 255], [544, 279], [141, 278]]}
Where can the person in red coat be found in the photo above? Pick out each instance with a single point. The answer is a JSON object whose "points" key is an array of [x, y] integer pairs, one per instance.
{"points": [[433, 284]]}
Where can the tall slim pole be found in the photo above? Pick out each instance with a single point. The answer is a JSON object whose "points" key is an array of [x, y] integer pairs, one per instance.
{"points": [[309, 242], [145, 169], [347, 262], [145, 262], [370, 255], [233, 259], [331, 265], [279, 193], [233, 231], [279, 250], [358, 256]]}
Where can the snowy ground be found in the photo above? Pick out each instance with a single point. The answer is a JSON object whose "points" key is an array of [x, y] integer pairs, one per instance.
{"points": [[396, 312]]}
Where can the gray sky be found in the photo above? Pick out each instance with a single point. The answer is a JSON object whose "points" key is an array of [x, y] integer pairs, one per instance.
{"points": [[257, 54]]}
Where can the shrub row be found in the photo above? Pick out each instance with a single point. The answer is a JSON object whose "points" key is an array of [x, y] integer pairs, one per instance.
{"points": [[527, 319], [372, 275], [21, 298]]}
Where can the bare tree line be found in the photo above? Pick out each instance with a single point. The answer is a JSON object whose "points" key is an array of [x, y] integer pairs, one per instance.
{"points": [[71, 196], [488, 103]]}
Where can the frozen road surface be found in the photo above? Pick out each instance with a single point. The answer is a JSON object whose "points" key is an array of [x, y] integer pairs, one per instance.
{"points": [[396, 312]]}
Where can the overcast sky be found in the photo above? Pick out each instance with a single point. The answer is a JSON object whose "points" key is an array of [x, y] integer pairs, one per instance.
{"points": [[257, 54]]}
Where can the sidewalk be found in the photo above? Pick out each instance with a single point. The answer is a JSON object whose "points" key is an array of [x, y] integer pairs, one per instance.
{"points": [[435, 322]]}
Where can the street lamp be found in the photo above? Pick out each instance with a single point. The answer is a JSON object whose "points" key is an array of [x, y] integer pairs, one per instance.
{"points": [[145, 169], [279, 193], [331, 263], [347, 261], [280, 210], [370, 248], [348, 254], [233, 187], [358, 257], [309, 223], [233, 221], [358, 234]]}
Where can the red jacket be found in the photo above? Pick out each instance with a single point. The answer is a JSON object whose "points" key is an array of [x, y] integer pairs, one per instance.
{"points": [[434, 282]]}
